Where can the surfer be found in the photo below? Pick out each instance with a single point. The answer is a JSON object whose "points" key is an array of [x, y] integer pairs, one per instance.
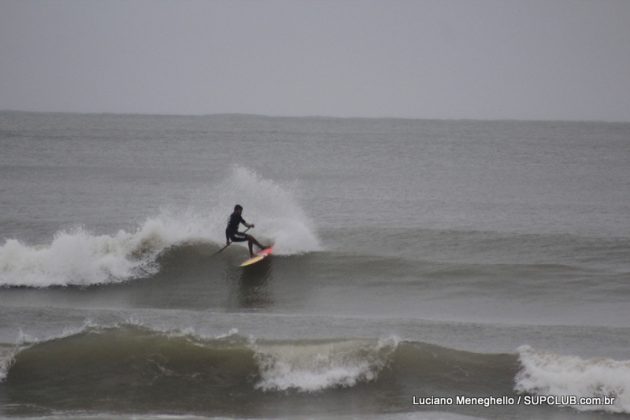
{"points": [[233, 235]]}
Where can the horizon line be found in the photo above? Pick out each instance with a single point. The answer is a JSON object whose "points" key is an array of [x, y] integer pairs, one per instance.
{"points": [[332, 117]]}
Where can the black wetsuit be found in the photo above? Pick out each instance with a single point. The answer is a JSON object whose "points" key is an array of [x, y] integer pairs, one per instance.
{"points": [[231, 232]]}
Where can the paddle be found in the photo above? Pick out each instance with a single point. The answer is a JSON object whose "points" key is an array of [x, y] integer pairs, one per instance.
{"points": [[221, 250]]}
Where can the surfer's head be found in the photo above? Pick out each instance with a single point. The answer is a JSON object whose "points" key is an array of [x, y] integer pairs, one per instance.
{"points": [[238, 208]]}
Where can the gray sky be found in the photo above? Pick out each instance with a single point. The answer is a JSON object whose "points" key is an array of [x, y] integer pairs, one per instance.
{"points": [[486, 59]]}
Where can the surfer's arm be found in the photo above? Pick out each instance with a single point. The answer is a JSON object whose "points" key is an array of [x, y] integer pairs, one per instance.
{"points": [[246, 224]]}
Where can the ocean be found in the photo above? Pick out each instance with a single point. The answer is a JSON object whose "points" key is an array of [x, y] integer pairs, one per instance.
{"points": [[422, 269]]}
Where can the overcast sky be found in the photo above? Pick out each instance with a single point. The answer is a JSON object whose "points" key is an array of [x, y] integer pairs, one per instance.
{"points": [[485, 59]]}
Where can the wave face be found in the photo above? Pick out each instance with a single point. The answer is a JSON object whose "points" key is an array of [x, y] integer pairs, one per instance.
{"points": [[133, 367], [78, 257]]}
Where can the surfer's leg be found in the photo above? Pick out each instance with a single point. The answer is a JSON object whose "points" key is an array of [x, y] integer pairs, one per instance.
{"points": [[251, 249], [238, 237], [258, 244]]}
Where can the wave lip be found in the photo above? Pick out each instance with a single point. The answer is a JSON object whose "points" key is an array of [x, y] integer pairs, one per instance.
{"points": [[546, 373], [318, 366]]}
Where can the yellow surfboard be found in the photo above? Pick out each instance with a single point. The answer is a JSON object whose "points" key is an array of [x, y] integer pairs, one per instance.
{"points": [[261, 255]]}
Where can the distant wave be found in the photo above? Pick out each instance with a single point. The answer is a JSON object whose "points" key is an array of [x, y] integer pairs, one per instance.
{"points": [[78, 257], [111, 359]]}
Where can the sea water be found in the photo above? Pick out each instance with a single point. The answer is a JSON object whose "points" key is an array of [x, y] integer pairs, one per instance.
{"points": [[416, 261]]}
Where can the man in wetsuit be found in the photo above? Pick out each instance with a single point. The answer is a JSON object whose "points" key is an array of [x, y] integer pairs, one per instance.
{"points": [[233, 235]]}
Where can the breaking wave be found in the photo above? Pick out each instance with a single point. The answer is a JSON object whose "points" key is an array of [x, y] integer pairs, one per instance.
{"points": [[78, 257], [182, 358], [315, 366], [545, 373]]}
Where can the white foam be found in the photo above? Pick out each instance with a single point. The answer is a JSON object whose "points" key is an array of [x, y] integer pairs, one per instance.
{"points": [[7, 356], [79, 257], [545, 373], [273, 209], [317, 366]]}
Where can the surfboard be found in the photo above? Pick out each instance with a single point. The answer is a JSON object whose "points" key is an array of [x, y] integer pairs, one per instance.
{"points": [[260, 255]]}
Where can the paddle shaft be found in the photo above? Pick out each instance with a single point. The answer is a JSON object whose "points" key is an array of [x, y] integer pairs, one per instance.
{"points": [[222, 249]]}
